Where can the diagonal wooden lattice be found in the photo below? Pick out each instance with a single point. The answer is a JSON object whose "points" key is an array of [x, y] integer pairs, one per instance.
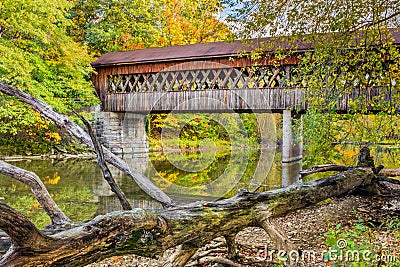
{"points": [[203, 79]]}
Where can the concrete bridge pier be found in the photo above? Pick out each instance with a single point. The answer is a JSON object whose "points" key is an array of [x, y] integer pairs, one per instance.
{"points": [[292, 149], [122, 133]]}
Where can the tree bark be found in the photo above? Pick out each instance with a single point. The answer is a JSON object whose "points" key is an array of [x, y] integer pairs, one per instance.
{"points": [[193, 225], [341, 168], [62, 121], [390, 172]]}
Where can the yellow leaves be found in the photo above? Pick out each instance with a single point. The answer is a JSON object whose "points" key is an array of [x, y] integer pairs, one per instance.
{"points": [[350, 153], [188, 22], [35, 204], [172, 177], [53, 181], [52, 136], [30, 132]]}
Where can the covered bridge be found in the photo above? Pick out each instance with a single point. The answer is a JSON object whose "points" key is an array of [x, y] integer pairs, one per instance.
{"points": [[186, 77], [208, 77]]}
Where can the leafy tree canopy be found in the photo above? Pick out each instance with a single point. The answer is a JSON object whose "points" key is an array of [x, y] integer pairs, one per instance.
{"points": [[115, 25], [43, 50], [352, 53], [39, 57], [107, 26]]}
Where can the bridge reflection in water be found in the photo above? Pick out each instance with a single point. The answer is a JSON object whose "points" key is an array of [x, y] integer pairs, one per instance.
{"points": [[279, 175]]}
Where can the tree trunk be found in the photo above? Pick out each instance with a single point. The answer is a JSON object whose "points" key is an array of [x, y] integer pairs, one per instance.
{"points": [[149, 233]]}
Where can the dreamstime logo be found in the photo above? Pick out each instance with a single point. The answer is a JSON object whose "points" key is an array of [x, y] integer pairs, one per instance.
{"points": [[340, 253], [216, 106]]}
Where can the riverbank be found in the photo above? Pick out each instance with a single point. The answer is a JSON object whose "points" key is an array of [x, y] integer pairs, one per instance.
{"points": [[359, 222]]}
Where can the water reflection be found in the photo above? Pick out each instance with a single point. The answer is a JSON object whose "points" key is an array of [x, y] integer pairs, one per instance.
{"points": [[290, 173], [228, 171]]}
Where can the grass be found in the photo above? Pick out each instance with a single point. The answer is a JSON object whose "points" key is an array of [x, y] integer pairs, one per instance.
{"points": [[364, 244]]}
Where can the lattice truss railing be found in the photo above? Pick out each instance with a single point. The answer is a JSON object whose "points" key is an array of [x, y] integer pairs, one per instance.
{"points": [[202, 79]]}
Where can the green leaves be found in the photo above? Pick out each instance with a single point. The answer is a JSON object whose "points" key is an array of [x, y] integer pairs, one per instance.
{"points": [[352, 55], [37, 56], [115, 25]]}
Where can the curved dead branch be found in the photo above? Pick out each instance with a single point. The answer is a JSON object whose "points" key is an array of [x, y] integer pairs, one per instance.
{"points": [[103, 166], [39, 191], [325, 168]]}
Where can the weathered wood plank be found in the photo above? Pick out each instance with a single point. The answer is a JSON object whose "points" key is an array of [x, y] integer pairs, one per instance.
{"points": [[196, 100]]}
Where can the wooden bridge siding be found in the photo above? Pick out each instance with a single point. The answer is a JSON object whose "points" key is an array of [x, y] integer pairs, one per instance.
{"points": [[100, 78], [366, 96], [198, 100], [275, 99]]}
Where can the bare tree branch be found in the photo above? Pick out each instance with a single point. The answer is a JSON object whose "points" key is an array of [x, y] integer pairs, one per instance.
{"points": [[325, 168], [180, 257], [389, 180], [39, 191], [370, 23], [390, 172], [103, 166]]}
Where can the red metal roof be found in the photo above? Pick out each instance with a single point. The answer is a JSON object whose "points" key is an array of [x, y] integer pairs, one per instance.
{"points": [[188, 52]]}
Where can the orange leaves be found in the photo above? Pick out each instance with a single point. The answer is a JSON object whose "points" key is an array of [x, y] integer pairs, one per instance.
{"points": [[189, 22], [52, 136]]}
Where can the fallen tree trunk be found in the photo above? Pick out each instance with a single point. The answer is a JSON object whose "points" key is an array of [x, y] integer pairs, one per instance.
{"points": [[62, 121], [149, 233]]}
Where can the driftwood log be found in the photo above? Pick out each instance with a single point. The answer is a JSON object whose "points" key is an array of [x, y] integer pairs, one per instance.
{"points": [[150, 233], [39, 191]]}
